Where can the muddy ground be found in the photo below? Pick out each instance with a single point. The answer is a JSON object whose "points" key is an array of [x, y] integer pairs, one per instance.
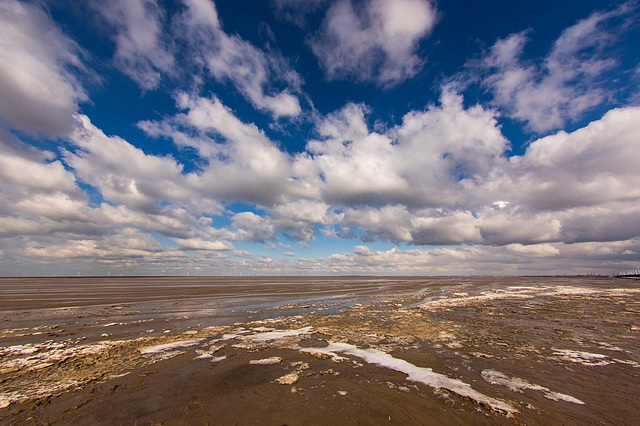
{"points": [[320, 351]]}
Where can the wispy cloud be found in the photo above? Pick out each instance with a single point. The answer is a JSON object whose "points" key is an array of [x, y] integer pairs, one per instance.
{"points": [[567, 82], [141, 52], [229, 58]]}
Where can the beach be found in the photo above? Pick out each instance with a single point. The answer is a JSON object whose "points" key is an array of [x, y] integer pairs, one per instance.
{"points": [[319, 350]]}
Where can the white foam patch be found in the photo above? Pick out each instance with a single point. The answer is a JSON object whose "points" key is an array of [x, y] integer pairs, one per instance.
{"points": [[557, 396], [584, 358], [522, 293], [162, 356], [610, 347], [5, 401], [512, 383], [275, 335], [204, 356], [37, 390], [169, 346], [516, 384], [41, 355], [117, 376], [229, 336], [262, 329], [266, 361], [322, 353], [627, 362], [422, 375]]}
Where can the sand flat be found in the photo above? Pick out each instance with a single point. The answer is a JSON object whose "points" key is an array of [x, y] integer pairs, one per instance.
{"points": [[451, 350]]}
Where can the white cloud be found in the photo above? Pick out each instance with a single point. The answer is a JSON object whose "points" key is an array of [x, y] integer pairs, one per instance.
{"points": [[518, 226], [593, 165], [45, 215], [391, 223], [561, 184], [124, 173], [64, 233], [200, 244], [127, 251], [138, 29], [149, 41], [16, 170], [607, 222], [567, 82], [374, 41], [128, 243], [296, 11], [450, 228], [252, 227], [39, 92], [243, 162], [229, 58], [512, 259], [428, 160], [300, 219], [440, 177]]}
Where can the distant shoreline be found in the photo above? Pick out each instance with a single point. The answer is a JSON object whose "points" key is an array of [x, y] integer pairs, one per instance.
{"points": [[314, 276]]}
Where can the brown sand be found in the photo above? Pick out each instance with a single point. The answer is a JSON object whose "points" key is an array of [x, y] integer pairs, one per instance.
{"points": [[558, 351]]}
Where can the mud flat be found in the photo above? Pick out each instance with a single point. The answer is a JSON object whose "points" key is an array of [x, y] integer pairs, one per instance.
{"points": [[322, 350]]}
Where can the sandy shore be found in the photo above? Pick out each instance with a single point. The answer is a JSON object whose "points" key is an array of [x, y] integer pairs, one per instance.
{"points": [[319, 351]]}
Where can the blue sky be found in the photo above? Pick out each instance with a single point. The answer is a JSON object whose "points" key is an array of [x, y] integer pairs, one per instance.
{"points": [[319, 137]]}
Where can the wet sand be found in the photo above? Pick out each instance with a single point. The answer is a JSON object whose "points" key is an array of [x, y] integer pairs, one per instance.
{"points": [[321, 350]]}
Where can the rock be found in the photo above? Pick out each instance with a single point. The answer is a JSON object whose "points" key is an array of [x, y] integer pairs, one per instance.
{"points": [[289, 379]]}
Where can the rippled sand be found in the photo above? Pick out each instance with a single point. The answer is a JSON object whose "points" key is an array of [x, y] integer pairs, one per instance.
{"points": [[320, 351]]}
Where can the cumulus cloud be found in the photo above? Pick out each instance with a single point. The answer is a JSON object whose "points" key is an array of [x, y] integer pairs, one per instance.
{"points": [[568, 187], [44, 203], [18, 171], [442, 176], [126, 243], [200, 244], [428, 160], [243, 163], [45, 215], [571, 187], [374, 41], [39, 91], [551, 193], [300, 219], [590, 166], [252, 227], [514, 259], [569, 81], [123, 173]]}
